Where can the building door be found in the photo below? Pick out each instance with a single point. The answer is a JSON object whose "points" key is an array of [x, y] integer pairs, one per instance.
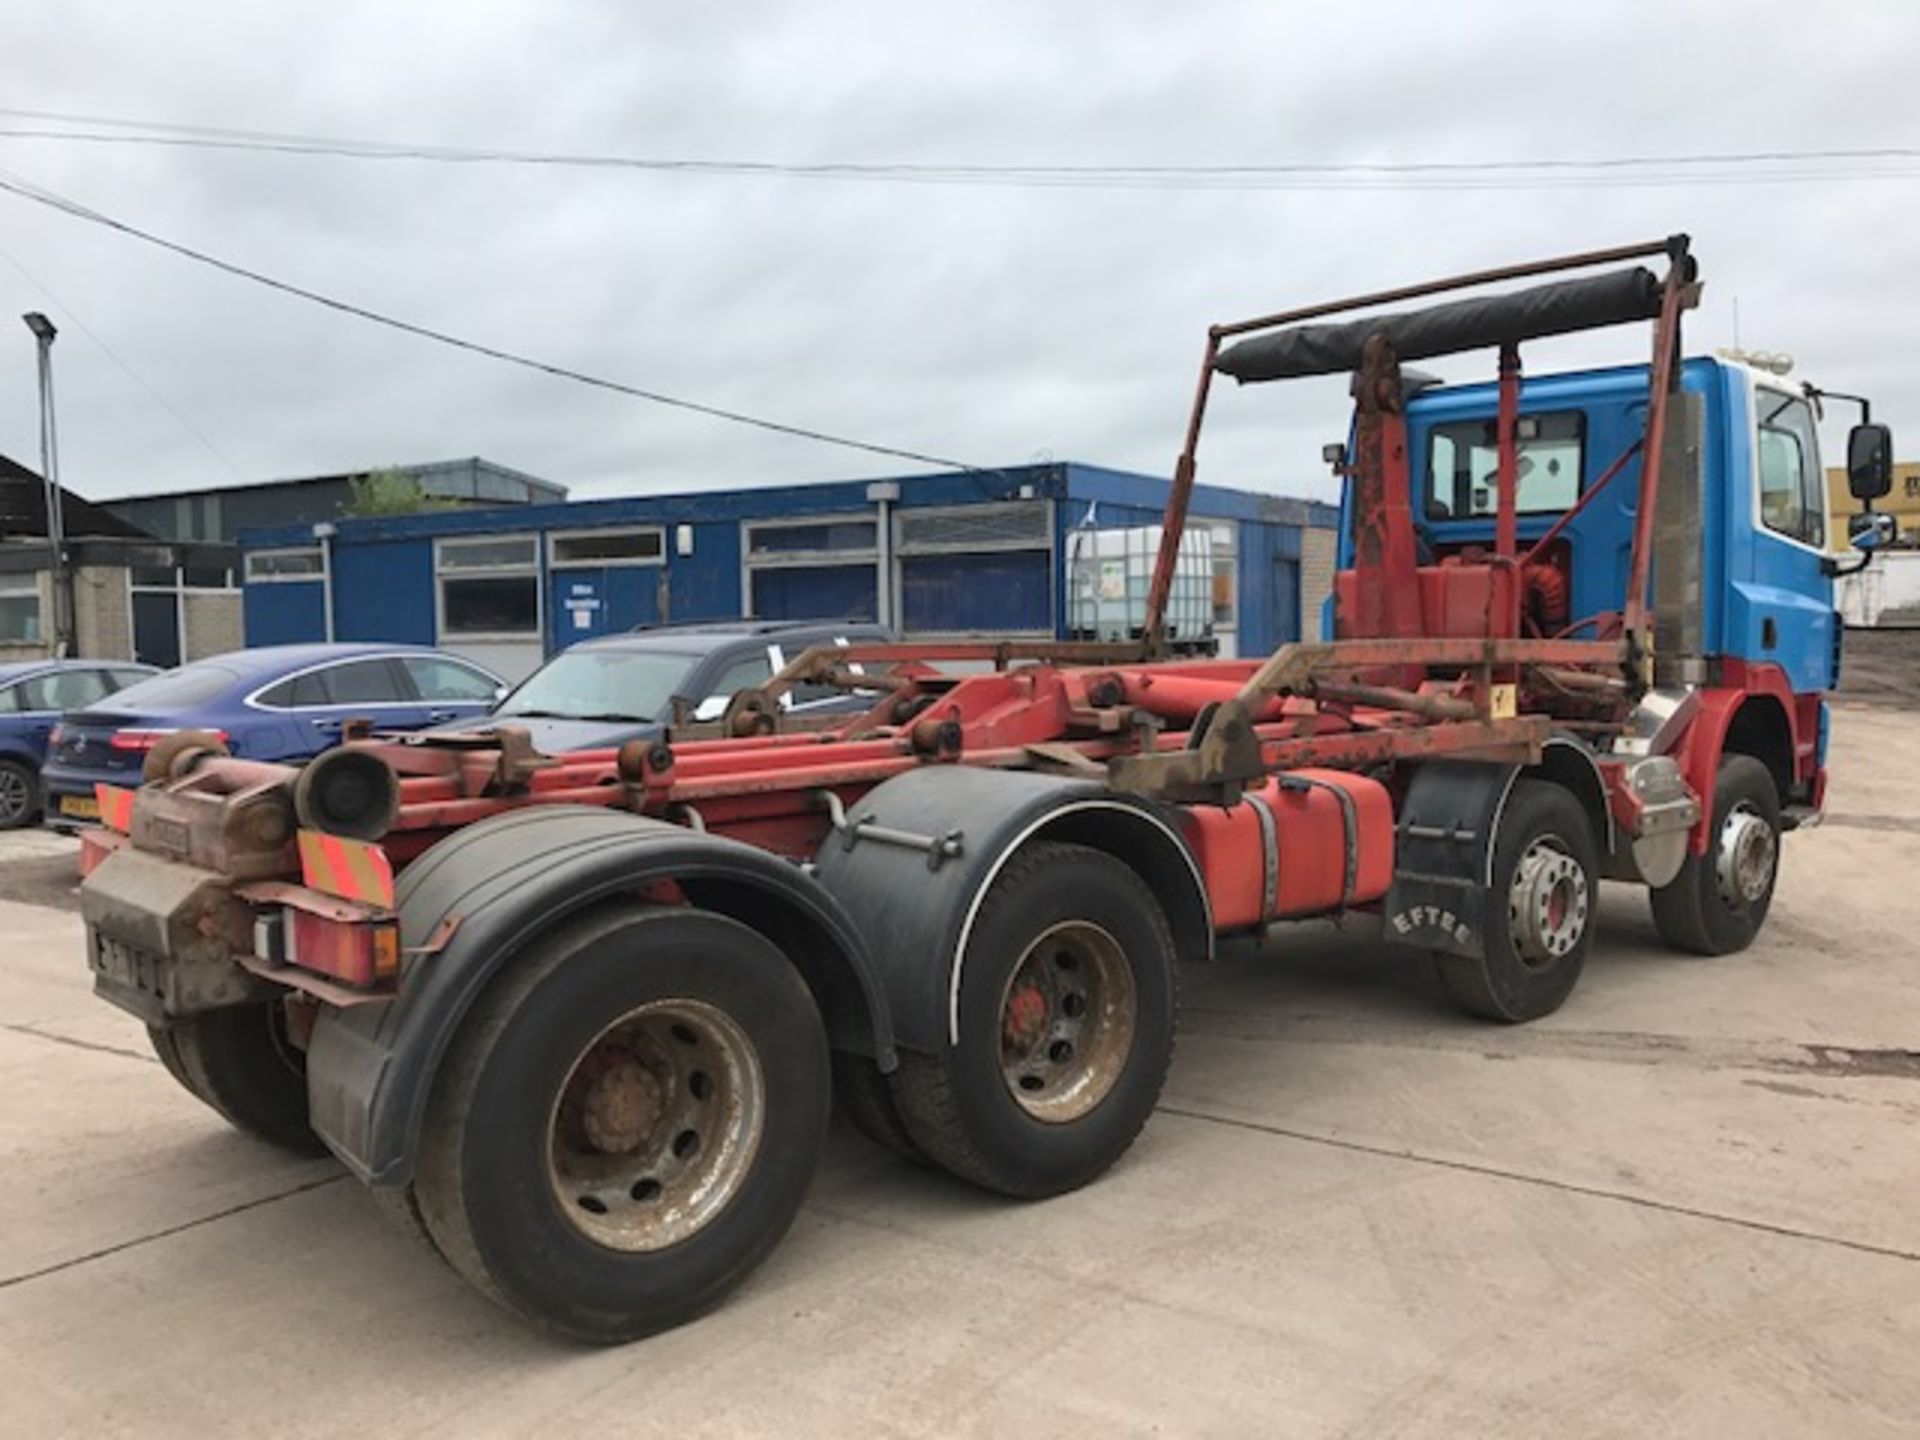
{"points": [[579, 607], [156, 627], [1286, 601]]}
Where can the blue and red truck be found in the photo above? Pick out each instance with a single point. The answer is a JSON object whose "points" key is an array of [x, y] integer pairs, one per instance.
{"points": [[577, 1020]]}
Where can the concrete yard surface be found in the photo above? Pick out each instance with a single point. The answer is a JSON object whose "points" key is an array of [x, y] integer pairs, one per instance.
{"points": [[1684, 1205]]}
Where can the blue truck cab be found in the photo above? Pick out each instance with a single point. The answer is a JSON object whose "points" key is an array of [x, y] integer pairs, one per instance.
{"points": [[1746, 561]]}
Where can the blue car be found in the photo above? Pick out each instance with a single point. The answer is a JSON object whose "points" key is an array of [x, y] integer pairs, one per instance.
{"points": [[279, 702], [33, 693]]}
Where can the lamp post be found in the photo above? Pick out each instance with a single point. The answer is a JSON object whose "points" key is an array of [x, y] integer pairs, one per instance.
{"points": [[43, 334]]}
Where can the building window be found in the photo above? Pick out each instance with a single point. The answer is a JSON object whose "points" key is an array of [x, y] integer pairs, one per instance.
{"points": [[976, 568], [270, 565], [796, 538], [1913, 487], [1463, 469], [607, 547], [821, 567], [1792, 492], [489, 586], [19, 611]]}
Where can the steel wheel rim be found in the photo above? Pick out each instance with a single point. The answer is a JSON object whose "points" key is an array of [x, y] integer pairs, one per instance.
{"points": [[15, 794], [656, 1126], [1744, 856], [1067, 1020], [1548, 903]]}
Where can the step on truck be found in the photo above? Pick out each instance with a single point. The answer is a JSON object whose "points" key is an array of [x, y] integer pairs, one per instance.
{"points": [[577, 1020]]}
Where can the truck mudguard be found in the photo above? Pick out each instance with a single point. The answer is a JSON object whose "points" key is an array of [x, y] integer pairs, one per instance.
{"points": [[1443, 856], [479, 897], [914, 859]]}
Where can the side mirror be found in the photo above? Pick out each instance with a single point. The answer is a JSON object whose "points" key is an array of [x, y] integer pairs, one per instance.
{"points": [[711, 708], [500, 692], [1868, 533], [1869, 461]]}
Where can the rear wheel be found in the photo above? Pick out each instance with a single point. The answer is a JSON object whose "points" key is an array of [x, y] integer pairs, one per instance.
{"points": [[1540, 910], [628, 1122], [240, 1061], [19, 795], [1719, 901], [866, 1098], [1066, 1007]]}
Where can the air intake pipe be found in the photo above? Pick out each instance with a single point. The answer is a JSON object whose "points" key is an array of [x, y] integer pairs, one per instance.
{"points": [[348, 792]]}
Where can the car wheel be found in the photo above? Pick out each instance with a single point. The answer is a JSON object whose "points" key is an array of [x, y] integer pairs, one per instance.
{"points": [[19, 794]]}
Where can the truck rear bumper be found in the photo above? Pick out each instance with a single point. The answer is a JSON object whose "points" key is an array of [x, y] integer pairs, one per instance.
{"points": [[162, 937]]}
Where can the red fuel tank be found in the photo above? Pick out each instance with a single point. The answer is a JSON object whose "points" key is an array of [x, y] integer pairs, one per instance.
{"points": [[1308, 842]]}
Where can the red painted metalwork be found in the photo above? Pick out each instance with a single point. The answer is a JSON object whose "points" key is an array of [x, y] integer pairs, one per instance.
{"points": [[1384, 599], [1174, 524], [1666, 356]]}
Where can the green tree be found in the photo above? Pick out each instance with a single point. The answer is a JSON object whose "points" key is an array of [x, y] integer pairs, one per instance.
{"points": [[391, 491]]}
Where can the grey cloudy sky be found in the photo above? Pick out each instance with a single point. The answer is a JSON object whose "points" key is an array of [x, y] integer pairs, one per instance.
{"points": [[993, 324]]}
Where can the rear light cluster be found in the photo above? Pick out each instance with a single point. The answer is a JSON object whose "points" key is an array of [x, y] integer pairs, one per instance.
{"points": [[147, 739]]}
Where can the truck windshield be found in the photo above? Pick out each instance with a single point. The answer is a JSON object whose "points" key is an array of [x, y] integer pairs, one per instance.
{"points": [[629, 684], [1463, 466]]}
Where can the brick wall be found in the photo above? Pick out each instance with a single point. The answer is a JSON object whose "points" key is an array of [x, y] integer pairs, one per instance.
{"points": [[213, 623], [1317, 547], [102, 621]]}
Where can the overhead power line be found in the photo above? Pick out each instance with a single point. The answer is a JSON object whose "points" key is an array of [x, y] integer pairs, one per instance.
{"points": [[1778, 166], [114, 355], [14, 185]]}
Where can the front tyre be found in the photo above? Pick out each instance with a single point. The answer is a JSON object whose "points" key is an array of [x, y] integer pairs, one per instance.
{"points": [[1540, 910], [1067, 997], [1719, 901], [627, 1123]]}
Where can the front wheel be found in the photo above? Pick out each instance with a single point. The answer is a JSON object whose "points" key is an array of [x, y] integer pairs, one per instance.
{"points": [[1540, 910], [1719, 901], [1066, 1010], [627, 1123]]}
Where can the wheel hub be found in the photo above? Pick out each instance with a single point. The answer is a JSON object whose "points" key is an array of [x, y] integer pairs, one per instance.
{"points": [[1743, 859], [1548, 903], [1067, 1020], [656, 1125], [622, 1107]]}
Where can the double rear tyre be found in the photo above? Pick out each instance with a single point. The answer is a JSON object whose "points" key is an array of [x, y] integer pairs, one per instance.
{"points": [[1065, 999], [240, 1062], [627, 1124]]}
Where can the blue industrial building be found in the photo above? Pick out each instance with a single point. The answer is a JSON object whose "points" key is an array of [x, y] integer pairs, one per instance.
{"points": [[930, 555]]}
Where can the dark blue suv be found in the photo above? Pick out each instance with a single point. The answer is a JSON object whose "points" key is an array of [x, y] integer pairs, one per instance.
{"points": [[32, 695], [605, 692]]}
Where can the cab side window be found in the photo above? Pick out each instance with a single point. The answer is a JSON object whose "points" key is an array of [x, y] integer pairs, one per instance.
{"points": [[1792, 494]]}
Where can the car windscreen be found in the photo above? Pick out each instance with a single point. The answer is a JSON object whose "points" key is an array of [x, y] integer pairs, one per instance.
{"points": [[180, 689], [594, 684]]}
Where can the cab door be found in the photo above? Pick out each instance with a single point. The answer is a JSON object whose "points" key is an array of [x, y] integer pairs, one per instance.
{"points": [[1782, 601]]}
